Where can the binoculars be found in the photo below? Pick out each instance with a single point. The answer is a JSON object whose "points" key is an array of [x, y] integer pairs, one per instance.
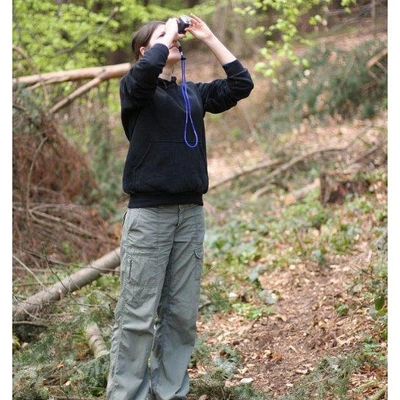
{"points": [[183, 22]]}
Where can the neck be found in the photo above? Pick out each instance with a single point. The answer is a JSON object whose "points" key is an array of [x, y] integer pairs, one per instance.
{"points": [[167, 73]]}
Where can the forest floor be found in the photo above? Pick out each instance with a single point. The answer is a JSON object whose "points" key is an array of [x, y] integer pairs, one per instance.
{"points": [[280, 349]]}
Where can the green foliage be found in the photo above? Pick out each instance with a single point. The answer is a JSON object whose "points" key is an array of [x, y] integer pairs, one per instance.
{"points": [[91, 376], [252, 311], [63, 36], [282, 32], [342, 309], [220, 369], [336, 82], [77, 34], [330, 379]]}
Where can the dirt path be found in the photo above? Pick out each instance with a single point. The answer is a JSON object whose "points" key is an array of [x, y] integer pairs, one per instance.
{"points": [[279, 350]]}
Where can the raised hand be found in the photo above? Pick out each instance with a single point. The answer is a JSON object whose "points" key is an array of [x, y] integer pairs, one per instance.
{"points": [[199, 29]]}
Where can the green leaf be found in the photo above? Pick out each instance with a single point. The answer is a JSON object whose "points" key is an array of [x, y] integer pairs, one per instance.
{"points": [[379, 302], [342, 309]]}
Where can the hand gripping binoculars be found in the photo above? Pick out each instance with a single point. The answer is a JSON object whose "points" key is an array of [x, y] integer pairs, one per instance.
{"points": [[183, 22]]}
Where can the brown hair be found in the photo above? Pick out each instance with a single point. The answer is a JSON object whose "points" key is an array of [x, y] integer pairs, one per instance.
{"points": [[142, 37]]}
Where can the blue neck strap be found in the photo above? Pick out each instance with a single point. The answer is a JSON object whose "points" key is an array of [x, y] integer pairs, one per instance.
{"points": [[188, 112]]}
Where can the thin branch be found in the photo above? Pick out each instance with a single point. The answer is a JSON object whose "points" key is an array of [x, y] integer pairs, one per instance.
{"points": [[31, 323], [291, 163], [30, 175], [72, 227], [264, 165], [27, 269]]}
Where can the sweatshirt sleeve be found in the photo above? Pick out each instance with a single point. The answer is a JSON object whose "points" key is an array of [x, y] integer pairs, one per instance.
{"points": [[222, 94], [140, 83]]}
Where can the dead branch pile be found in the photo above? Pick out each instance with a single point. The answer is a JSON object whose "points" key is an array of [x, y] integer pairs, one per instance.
{"points": [[340, 168], [53, 197]]}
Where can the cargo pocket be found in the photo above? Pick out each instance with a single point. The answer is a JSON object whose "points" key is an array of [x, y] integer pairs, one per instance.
{"points": [[123, 296], [142, 279], [199, 262]]}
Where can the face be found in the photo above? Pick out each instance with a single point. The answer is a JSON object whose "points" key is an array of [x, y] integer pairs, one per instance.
{"points": [[174, 54]]}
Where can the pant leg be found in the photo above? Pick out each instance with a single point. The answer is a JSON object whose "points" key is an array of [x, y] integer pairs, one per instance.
{"points": [[177, 313], [145, 249]]}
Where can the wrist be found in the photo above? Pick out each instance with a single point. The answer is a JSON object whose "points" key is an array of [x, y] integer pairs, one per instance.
{"points": [[210, 40]]}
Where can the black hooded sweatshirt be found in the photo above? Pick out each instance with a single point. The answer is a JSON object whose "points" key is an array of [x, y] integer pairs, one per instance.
{"points": [[160, 168]]}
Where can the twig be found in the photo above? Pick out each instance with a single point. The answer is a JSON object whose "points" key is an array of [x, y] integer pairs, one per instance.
{"points": [[34, 67], [27, 269], [73, 227], [375, 60], [31, 323], [30, 175], [369, 152], [264, 165]]}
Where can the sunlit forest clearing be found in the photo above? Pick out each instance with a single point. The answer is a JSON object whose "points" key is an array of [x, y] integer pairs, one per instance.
{"points": [[294, 295]]}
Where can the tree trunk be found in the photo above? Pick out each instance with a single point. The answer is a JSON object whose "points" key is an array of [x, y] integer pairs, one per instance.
{"points": [[81, 278]]}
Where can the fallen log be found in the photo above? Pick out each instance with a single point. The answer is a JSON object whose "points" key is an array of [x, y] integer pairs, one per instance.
{"points": [[107, 72], [81, 278]]}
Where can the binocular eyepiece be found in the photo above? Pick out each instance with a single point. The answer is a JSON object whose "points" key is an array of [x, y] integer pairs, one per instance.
{"points": [[183, 22]]}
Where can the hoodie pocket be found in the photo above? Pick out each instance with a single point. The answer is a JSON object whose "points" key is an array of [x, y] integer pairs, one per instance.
{"points": [[171, 167]]}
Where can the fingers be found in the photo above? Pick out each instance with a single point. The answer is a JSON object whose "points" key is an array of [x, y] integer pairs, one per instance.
{"points": [[196, 18]]}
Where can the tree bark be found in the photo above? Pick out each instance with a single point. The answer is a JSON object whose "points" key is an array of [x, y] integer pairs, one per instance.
{"points": [[81, 278]]}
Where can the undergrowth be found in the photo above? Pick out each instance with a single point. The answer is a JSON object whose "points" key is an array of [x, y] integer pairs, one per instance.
{"points": [[335, 83]]}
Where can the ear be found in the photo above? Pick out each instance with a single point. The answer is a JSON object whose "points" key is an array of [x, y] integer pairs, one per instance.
{"points": [[142, 50]]}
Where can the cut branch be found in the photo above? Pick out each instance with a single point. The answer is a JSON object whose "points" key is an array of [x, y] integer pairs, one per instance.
{"points": [[68, 285], [297, 195], [95, 340]]}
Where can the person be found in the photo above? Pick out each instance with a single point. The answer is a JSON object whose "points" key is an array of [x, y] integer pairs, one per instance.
{"points": [[165, 175]]}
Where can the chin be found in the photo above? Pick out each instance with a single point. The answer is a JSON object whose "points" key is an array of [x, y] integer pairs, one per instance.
{"points": [[174, 57]]}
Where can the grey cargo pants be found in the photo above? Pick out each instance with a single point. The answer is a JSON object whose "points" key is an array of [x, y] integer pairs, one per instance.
{"points": [[155, 317]]}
